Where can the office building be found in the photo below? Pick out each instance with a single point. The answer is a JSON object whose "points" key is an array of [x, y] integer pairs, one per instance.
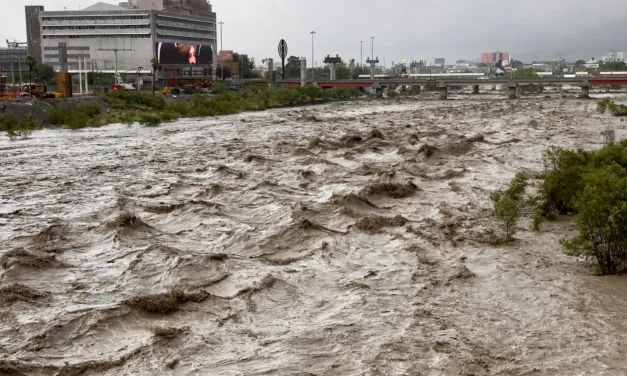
{"points": [[12, 60], [200, 8], [109, 38], [493, 57]]}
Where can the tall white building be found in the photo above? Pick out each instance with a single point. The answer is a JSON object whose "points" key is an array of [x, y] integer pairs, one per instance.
{"points": [[104, 34]]}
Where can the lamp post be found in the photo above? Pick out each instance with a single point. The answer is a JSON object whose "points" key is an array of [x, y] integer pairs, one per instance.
{"points": [[361, 61], [372, 38], [221, 49], [312, 56]]}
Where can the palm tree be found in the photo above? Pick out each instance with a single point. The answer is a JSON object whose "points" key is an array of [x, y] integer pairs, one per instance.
{"points": [[32, 63], [155, 66]]}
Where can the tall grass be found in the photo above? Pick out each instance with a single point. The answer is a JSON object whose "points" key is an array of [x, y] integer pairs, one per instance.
{"points": [[132, 106]]}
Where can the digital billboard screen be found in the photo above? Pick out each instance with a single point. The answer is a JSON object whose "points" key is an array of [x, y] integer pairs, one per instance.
{"points": [[184, 54]]}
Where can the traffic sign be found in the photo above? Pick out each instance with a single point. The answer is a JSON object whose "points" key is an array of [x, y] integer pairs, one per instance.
{"points": [[283, 49], [283, 54]]}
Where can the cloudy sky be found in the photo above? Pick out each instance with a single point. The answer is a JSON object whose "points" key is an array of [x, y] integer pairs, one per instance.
{"points": [[418, 29]]}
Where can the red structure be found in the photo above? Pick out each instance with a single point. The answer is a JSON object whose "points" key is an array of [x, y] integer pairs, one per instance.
{"points": [[493, 57], [617, 79], [224, 57]]}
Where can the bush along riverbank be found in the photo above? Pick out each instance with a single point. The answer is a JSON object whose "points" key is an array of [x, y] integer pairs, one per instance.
{"points": [[589, 185], [131, 106]]}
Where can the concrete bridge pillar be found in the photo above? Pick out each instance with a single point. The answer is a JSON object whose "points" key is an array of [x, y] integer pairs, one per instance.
{"points": [[511, 91], [475, 89], [373, 64], [493, 87], [416, 89], [303, 71], [379, 91], [444, 92], [585, 92]]}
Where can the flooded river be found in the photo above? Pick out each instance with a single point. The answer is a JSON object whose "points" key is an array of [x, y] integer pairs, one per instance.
{"points": [[340, 239]]}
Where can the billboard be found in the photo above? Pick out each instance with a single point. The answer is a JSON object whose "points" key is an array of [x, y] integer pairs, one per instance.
{"points": [[439, 61], [184, 54]]}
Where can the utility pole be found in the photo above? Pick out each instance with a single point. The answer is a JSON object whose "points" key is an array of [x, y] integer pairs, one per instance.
{"points": [[312, 56], [12, 72], [372, 38], [86, 76], [361, 60], [80, 76], [221, 49]]}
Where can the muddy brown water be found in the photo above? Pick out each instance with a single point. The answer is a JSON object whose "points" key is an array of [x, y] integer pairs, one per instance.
{"points": [[299, 242]]}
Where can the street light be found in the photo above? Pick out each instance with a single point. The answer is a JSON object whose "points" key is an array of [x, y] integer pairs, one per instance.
{"points": [[221, 49], [372, 38], [361, 61], [13, 74], [312, 56]]}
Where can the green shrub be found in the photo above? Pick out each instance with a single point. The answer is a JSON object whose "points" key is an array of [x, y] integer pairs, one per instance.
{"points": [[18, 128], [392, 94], [615, 109], [149, 120], [133, 106], [56, 115], [76, 119], [90, 108], [538, 219], [169, 116], [602, 220], [181, 108], [219, 88], [593, 186], [508, 203], [132, 99], [563, 172], [508, 211], [515, 191]]}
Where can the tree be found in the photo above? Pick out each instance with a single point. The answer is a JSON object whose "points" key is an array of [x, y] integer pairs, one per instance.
{"points": [[45, 72], [580, 62], [155, 66], [507, 203], [602, 220], [292, 67], [528, 73], [224, 71], [614, 66], [517, 64], [32, 63], [360, 71]]}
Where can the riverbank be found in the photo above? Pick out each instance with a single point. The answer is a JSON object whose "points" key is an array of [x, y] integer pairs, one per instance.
{"points": [[130, 107]]}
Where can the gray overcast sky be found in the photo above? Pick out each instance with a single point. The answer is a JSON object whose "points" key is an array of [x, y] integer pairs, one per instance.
{"points": [[419, 29]]}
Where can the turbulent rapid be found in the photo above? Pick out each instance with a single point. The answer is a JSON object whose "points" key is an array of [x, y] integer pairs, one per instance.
{"points": [[342, 239]]}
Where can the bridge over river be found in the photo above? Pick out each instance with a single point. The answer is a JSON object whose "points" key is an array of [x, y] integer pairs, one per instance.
{"points": [[444, 83]]}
